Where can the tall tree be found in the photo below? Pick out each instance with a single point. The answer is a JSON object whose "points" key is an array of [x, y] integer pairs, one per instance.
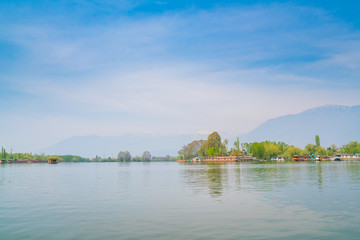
{"points": [[310, 149], [245, 147], [258, 150], [223, 148], [124, 156], [3, 154], [236, 150], [146, 156], [237, 144], [317, 141], [214, 140], [192, 149], [213, 145]]}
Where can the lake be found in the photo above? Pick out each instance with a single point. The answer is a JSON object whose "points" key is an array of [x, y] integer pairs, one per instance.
{"points": [[169, 200]]}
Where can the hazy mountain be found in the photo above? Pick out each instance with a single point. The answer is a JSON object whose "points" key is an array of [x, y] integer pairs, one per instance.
{"points": [[136, 144], [334, 124]]}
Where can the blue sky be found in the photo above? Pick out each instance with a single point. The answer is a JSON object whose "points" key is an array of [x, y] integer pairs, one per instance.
{"points": [[73, 68]]}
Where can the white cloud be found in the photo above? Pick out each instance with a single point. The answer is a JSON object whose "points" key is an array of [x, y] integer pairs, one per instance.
{"points": [[224, 69]]}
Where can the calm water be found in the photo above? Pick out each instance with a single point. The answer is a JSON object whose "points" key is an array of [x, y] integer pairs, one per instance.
{"points": [[180, 201]]}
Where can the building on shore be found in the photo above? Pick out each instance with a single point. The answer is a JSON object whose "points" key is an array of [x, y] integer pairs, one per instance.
{"points": [[278, 158], [345, 157], [220, 159]]}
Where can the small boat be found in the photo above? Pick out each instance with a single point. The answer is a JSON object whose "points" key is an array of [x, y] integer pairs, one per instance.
{"points": [[338, 159]]}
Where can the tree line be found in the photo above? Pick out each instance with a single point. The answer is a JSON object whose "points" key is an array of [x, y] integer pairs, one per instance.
{"points": [[6, 156], [123, 156], [214, 146]]}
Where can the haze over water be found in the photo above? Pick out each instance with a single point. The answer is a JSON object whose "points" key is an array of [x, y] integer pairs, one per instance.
{"points": [[180, 201]]}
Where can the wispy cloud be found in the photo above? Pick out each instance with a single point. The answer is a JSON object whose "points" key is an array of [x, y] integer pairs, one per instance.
{"points": [[179, 71]]}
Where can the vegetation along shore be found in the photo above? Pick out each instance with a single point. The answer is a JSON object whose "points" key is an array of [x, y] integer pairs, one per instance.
{"points": [[213, 149]]}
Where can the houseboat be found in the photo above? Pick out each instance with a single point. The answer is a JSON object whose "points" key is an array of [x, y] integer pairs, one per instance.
{"points": [[220, 159], [37, 160], [196, 159], [300, 158], [310, 158], [53, 161], [181, 160], [323, 158], [224, 159]]}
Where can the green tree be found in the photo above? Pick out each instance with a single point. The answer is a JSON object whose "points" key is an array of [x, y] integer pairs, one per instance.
{"points": [[351, 147], [146, 156], [71, 158], [310, 149], [330, 151], [320, 151], [3, 154], [213, 142], [271, 150], [236, 151], [245, 147], [258, 150], [124, 156], [282, 146], [192, 150], [223, 148], [317, 141], [291, 151], [237, 144], [211, 151]]}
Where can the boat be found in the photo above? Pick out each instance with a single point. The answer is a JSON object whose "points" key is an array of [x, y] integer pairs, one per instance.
{"points": [[53, 161]]}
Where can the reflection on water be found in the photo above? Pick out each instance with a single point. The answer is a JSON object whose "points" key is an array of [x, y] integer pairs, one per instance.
{"points": [[180, 201], [215, 177]]}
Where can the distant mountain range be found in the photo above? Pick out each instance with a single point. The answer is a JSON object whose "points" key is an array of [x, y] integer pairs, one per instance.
{"points": [[334, 124], [136, 144]]}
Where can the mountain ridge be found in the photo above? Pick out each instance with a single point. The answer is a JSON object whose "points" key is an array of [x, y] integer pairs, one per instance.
{"points": [[136, 144], [335, 124]]}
